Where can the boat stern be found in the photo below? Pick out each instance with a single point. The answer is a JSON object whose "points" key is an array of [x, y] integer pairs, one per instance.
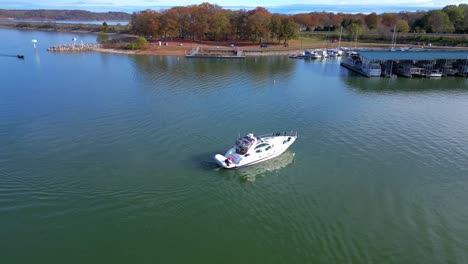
{"points": [[224, 162]]}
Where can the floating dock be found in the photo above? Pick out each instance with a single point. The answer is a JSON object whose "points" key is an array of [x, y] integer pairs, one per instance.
{"points": [[414, 63], [229, 53]]}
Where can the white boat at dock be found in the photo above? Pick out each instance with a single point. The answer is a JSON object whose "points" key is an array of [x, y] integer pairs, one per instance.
{"points": [[313, 54], [368, 69], [334, 53], [434, 74], [309, 54], [251, 149]]}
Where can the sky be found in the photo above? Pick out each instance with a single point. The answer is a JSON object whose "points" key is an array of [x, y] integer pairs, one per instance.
{"points": [[274, 6]]}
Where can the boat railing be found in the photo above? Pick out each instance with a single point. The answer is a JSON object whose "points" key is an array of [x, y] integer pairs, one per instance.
{"points": [[275, 134]]}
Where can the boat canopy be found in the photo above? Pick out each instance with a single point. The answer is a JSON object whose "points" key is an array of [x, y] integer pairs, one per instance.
{"points": [[244, 143]]}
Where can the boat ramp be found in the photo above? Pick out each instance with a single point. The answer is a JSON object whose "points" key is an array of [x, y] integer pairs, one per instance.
{"points": [[408, 63]]}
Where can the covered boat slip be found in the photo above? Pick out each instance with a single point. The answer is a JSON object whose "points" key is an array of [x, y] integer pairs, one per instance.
{"points": [[422, 63]]}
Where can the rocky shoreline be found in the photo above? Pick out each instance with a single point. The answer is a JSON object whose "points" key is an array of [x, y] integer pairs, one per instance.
{"points": [[75, 47]]}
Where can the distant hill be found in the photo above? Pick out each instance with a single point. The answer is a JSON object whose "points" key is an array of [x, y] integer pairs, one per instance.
{"points": [[47, 14]]}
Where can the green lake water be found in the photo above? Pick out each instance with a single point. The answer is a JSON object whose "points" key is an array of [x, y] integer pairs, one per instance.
{"points": [[107, 158]]}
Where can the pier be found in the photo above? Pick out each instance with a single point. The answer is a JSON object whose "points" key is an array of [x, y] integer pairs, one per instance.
{"points": [[231, 53], [409, 63]]}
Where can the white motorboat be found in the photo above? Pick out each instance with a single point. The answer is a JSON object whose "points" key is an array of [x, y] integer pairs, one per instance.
{"points": [[252, 149], [313, 54]]}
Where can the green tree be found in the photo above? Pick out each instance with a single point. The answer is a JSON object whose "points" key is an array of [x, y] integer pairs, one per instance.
{"points": [[102, 37], [355, 31], [465, 20], [275, 27], [288, 29], [437, 21], [455, 15], [104, 26], [142, 43], [219, 24], [402, 26]]}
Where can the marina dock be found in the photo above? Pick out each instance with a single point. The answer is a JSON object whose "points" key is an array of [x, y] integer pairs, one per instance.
{"points": [[409, 63]]}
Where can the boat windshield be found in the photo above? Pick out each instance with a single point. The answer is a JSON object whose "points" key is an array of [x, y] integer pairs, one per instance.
{"points": [[243, 144]]}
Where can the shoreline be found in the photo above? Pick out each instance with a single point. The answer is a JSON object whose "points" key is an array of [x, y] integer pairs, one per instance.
{"points": [[174, 48]]}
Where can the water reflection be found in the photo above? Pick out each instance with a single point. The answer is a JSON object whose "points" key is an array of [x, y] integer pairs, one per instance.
{"points": [[250, 173], [259, 68], [410, 85]]}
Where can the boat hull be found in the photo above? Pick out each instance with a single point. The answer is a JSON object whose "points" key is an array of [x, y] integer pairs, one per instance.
{"points": [[232, 160]]}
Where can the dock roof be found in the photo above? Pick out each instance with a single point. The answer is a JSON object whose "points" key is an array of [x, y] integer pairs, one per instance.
{"points": [[415, 55]]}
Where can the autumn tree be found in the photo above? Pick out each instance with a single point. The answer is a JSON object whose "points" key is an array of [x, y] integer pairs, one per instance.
{"points": [[169, 22], [304, 20], [389, 20], [238, 24], [200, 23], [258, 24], [372, 21], [146, 23], [183, 20], [337, 19]]}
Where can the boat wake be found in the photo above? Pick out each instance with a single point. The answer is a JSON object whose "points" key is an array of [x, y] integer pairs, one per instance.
{"points": [[251, 173]]}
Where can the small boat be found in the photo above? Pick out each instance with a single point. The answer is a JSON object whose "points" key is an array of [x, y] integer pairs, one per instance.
{"points": [[312, 54], [433, 74], [20, 56], [334, 53], [251, 149], [408, 70]]}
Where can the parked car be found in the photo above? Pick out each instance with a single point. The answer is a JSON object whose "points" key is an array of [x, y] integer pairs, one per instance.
{"points": [[263, 45]]}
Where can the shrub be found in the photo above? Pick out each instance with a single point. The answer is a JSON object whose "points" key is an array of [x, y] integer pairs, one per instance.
{"points": [[142, 43]]}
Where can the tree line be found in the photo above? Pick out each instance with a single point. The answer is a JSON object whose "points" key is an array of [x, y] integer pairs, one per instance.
{"points": [[451, 19], [46, 14], [211, 22]]}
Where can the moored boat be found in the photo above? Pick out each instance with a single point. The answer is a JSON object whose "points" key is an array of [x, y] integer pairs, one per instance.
{"points": [[368, 69]]}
